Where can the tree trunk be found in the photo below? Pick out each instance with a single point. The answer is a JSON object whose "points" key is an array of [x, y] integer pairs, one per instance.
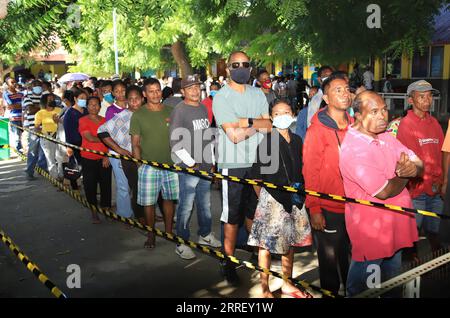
{"points": [[179, 54]]}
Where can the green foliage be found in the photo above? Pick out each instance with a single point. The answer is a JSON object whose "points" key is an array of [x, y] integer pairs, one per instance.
{"points": [[327, 31]]}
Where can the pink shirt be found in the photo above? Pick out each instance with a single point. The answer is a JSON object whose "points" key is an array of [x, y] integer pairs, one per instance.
{"points": [[366, 166]]}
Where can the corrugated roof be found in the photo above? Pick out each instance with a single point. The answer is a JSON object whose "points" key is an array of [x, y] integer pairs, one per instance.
{"points": [[442, 27]]}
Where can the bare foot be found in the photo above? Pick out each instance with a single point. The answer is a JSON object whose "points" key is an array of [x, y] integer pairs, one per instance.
{"points": [[267, 294]]}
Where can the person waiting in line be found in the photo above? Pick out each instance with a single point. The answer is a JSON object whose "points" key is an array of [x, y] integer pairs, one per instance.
{"points": [[321, 172], [208, 101], [190, 141], [115, 133], [264, 81], [46, 122], [280, 221], [96, 169], [122, 190], [71, 121], [376, 167], [422, 133], [149, 130], [30, 106]]}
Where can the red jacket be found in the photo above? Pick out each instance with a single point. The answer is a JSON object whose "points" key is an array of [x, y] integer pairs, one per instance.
{"points": [[321, 162], [425, 137]]}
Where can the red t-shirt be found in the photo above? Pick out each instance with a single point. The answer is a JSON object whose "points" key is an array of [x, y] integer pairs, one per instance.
{"points": [[86, 124], [425, 137], [208, 104]]}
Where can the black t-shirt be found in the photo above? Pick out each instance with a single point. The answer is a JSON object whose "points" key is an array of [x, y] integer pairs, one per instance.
{"points": [[274, 150]]}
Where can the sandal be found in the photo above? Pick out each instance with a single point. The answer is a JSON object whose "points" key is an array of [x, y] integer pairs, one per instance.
{"points": [[296, 294]]}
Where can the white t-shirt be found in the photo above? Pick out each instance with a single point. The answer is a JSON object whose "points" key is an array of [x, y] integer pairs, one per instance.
{"points": [[368, 79]]}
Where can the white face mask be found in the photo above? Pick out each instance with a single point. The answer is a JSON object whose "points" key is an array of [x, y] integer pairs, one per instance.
{"points": [[283, 121]]}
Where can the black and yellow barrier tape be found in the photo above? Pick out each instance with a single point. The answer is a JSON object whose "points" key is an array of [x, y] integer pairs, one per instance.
{"points": [[176, 239], [4, 146], [32, 267], [202, 173]]}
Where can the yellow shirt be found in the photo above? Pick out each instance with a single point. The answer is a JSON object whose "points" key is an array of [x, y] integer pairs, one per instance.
{"points": [[45, 118]]}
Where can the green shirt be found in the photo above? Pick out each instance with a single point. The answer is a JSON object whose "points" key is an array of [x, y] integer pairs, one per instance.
{"points": [[153, 128], [228, 106]]}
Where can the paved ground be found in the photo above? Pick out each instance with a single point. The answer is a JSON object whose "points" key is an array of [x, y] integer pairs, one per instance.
{"points": [[55, 231]]}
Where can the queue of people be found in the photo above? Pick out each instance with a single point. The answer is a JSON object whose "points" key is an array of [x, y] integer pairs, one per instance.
{"points": [[340, 147]]}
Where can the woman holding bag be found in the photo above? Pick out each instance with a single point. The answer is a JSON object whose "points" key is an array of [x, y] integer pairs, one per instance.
{"points": [[281, 221]]}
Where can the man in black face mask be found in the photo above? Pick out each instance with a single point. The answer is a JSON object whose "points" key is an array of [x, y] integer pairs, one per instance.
{"points": [[241, 113]]}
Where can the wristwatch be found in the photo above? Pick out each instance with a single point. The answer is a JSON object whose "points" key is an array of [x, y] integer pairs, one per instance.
{"points": [[250, 122]]}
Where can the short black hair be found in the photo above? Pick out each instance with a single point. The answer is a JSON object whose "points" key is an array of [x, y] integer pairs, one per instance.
{"points": [[276, 102], [176, 85], [69, 96], [151, 81], [44, 99], [92, 98], [322, 69], [88, 90], [215, 84], [167, 92], [134, 88], [77, 92], [261, 72], [117, 83], [36, 83], [105, 83], [331, 78]]}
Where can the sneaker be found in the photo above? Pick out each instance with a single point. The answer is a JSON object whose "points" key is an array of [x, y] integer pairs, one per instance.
{"points": [[209, 240], [30, 177], [185, 252], [228, 271]]}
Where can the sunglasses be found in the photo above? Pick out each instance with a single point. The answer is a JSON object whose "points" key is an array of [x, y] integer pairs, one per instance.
{"points": [[240, 64]]}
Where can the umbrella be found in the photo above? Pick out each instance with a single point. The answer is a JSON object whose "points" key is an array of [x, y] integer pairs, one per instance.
{"points": [[72, 77]]}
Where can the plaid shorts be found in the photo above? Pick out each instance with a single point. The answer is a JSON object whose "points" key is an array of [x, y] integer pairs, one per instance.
{"points": [[151, 181]]}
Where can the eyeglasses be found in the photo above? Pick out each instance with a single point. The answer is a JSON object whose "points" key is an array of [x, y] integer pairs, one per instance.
{"points": [[240, 64]]}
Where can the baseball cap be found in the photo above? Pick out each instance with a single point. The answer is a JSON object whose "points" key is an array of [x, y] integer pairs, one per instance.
{"points": [[189, 81], [420, 86]]}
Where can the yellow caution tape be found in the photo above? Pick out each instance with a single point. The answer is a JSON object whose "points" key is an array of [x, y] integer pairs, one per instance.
{"points": [[31, 266], [200, 173]]}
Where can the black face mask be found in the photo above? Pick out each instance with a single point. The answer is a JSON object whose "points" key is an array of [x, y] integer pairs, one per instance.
{"points": [[240, 75]]}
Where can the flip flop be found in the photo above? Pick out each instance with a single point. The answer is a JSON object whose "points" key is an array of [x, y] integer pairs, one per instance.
{"points": [[297, 294]]}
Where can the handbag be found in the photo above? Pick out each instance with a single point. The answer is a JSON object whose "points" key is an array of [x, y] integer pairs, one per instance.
{"points": [[72, 170], [299, 197]]}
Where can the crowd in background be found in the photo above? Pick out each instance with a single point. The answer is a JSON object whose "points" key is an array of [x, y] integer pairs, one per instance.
{"points": [[331, 135]]}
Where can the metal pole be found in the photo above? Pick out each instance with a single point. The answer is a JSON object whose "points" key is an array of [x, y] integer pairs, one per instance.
{"points": [[116, 51]]}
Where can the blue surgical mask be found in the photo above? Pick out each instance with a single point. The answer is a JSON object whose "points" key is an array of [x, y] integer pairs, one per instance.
{"points": [[82, 103], [37, 90], [283, 121], [212, 93], [109, 98]]}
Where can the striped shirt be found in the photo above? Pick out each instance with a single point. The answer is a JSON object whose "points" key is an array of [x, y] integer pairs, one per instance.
{"points": [[11, 99], [28, 101]]}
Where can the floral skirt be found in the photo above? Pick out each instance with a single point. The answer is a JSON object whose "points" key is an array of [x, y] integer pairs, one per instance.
{"points": [[276, 230]]}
